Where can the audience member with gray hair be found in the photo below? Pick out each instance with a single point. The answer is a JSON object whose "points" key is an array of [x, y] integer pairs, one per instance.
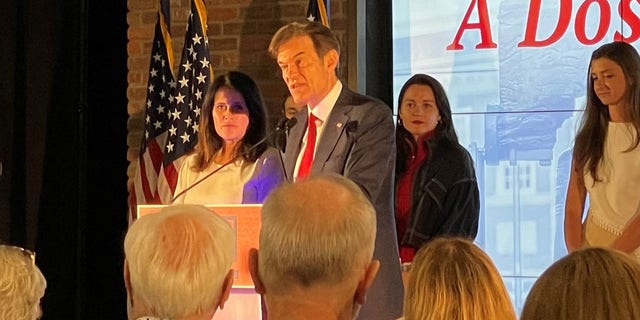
{"points": [[316, 248], [22, 284], [178, 264]]}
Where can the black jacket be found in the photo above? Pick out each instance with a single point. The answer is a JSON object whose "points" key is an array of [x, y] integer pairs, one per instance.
{"points": [[445, 200]]}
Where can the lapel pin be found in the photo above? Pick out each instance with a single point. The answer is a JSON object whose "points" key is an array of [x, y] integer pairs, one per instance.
{"points": [[339, 124]]}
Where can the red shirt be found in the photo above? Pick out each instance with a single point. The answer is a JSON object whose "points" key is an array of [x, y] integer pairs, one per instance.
{"points": [[403, 194]]}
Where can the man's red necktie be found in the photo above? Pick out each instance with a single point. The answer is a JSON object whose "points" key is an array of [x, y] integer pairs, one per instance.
{"points": [[307, 156]]}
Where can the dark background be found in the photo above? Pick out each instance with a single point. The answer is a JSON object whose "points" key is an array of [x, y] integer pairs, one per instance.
{"points": [[63, 115]]}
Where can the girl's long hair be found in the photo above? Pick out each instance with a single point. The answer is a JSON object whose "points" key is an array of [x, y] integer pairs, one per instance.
{"points": [[589, 142]]}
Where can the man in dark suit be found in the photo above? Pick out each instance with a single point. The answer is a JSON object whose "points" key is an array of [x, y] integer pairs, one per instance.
{"points": [[350, 134]]}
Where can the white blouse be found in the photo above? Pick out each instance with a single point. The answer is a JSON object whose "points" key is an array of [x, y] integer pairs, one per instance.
{"points": [[614, 200], [223, 187]]}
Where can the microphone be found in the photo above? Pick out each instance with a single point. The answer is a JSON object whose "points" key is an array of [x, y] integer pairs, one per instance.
{"points": [[280, 137], [281, 140], [282, 126], [290, 123]]}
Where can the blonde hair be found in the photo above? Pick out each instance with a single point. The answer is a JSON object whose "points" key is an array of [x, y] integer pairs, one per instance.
{"points": [[178, 259], [452, 278], [315, 231], [22, 285], [591, 283]]}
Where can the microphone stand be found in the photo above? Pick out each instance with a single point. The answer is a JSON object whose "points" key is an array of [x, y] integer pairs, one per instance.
{"points": [[283, 125], [203, 178], [288, 124]]}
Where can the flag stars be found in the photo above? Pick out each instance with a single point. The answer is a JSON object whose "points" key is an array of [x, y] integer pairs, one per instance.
{"points": [[153, 73], [201, 78], [160, 109], [185, 138], [184, 82], [151, 88], [187, 66], [311, 18], [147, 119], [196, 39], [195, 127], [172, 131], [204, 62], [197, 111], [169, 147], [157, 57], [176, 114], [198, 94], [162, 94], [188, 121], [180, 98], [157, 124]]}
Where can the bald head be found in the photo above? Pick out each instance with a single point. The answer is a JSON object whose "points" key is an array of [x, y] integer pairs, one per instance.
{"points": [[315, 231]]}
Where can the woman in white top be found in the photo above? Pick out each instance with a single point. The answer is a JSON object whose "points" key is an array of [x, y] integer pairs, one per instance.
{"points": [[606, 156], [231, 163]]}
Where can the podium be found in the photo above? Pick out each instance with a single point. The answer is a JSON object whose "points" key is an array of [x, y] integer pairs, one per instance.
{"points": [[244, 302]]}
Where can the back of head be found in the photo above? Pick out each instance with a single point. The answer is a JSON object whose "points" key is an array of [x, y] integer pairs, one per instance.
{"points": [[452, 278], [178, 259], [592, 283], [22, 284], [315, 231]]}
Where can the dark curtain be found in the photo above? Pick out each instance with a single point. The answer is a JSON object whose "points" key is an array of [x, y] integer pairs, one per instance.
{"points": [[63, 82]]}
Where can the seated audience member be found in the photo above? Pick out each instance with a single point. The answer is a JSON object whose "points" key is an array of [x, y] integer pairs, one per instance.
{"points": [[594, 283], [316, 248], [177, 264], [22, 284], [452, 278]]}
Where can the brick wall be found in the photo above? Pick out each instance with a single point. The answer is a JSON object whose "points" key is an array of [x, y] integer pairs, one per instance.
{"points": [[239, 34]]}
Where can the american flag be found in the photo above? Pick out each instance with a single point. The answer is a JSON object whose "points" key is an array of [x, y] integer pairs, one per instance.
{"points": [[317, 11], [160, 87], [184, 115]]}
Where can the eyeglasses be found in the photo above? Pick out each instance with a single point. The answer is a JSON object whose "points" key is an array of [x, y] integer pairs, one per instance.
{"points": [[25, 252]]}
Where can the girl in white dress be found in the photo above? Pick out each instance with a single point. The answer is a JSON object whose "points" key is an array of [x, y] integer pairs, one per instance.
{"points": [[606, 156]]}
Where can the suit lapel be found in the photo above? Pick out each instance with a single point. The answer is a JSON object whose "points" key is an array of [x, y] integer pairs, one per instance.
{"points": [[333, 129], [294, 140]]}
